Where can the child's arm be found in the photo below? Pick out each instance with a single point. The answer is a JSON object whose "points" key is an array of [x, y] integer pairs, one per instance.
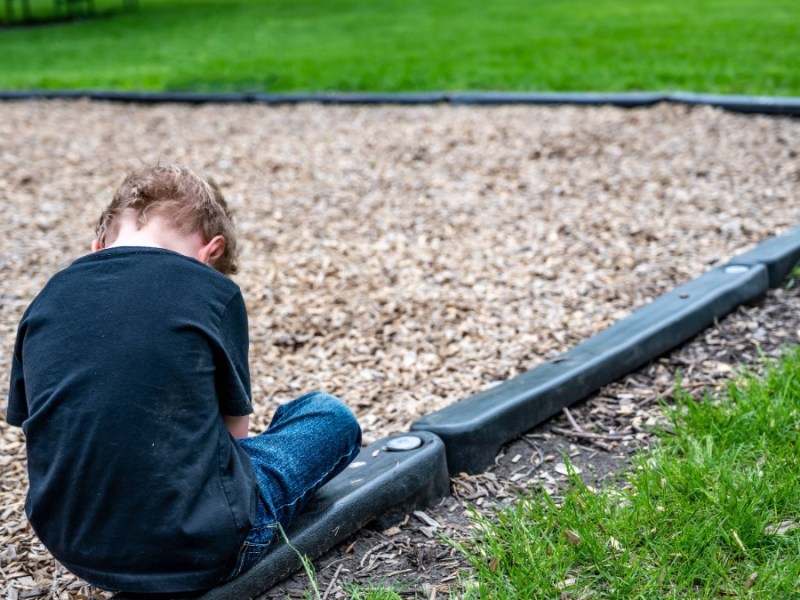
{"points": [[237, 426], [232, 372]]}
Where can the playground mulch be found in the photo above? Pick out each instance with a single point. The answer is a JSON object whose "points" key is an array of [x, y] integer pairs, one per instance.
{"points": [[405, 257]]}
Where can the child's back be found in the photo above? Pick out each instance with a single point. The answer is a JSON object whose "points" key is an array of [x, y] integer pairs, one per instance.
{"points": [[130, 356]]}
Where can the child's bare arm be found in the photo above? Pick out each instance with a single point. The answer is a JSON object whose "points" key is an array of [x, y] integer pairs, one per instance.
{"points": [[237, 426]]}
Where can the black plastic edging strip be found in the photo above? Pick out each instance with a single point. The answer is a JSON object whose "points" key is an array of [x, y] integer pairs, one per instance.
{"points": [[379, 482], [779, 255], [631, 99], [474, 429], [43, 95], [129, 96], [170, 97], [143, 97], [353, 98], [771, 105]]}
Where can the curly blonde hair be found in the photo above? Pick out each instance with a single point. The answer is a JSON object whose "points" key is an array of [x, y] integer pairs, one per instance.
{"points": [[190, 202]]}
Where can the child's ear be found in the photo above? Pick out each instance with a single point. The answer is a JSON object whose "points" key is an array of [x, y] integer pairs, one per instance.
{"points": [[96, 245], [213, 249]]}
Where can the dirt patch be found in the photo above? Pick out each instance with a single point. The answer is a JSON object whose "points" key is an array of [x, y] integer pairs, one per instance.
{"points": [[399, 257]]}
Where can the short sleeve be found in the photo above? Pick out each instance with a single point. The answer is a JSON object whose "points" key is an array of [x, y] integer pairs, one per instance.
{"points": [[17, 400], [233, 370]]}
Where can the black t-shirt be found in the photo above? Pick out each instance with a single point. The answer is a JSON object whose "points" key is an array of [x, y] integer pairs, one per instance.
{"points": [[122, 366]]}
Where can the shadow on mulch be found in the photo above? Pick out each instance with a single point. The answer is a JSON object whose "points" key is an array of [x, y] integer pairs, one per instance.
{"points": [[598, 435]]}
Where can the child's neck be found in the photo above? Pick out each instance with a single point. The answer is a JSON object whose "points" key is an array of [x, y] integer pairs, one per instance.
{"points": [[157, 232]]}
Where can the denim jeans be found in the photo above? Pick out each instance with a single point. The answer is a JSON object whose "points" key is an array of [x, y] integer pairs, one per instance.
{"points": [[309, 441]]}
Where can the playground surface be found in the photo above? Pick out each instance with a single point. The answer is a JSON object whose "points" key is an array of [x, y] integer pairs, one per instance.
{"points": [[403, 258]]}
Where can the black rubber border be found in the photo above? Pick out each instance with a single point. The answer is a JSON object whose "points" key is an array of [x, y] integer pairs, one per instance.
{"points": [[770, 105], [625, 99], [765, 105], [779, 255]]}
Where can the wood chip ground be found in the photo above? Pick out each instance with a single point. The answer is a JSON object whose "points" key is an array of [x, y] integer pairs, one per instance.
{"points": [[405, 257]]}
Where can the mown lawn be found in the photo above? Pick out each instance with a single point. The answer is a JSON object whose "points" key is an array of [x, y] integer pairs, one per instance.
{"points": [[721, 46]]}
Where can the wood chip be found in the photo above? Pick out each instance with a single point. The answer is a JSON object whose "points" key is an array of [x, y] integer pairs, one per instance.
{"points": [[572, 537], [427, 519], [782, 528], [563, 469], [751, 580]]}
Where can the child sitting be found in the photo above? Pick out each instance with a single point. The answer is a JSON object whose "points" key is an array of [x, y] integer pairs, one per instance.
{"points": [[130, 379]]}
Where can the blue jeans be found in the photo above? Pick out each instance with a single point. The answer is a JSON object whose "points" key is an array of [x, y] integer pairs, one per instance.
{"points": [[309, 441]]}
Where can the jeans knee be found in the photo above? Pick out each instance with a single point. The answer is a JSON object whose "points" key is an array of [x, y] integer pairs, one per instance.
{"points": [[335, 412], [349, 426]]}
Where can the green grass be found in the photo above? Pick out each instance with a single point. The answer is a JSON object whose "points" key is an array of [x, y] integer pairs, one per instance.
{"points": [[696, 519], [724, 46]]}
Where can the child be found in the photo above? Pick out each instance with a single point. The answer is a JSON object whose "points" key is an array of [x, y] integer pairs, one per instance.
{"points": [[130, 379]]}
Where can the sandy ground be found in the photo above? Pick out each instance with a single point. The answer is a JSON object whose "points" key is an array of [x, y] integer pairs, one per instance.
{"points": [[400, 257]]}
